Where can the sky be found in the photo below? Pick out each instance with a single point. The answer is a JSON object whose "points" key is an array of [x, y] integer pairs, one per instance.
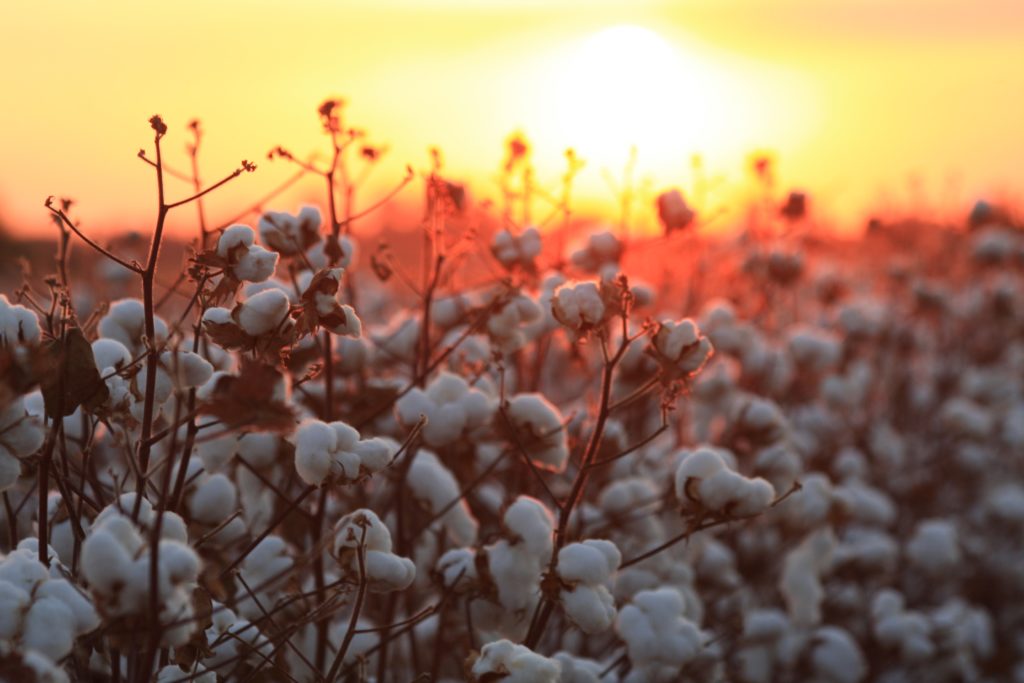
{"points": [[869, 105]]}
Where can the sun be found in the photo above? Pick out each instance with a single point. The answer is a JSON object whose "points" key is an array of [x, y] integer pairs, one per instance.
{"points": [[629, 86]]}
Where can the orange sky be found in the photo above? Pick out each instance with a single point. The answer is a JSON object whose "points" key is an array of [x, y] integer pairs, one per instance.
{"points": [[865, 102]]}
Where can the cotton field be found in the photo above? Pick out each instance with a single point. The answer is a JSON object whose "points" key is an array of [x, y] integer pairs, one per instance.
{"points": [[516, 453]]}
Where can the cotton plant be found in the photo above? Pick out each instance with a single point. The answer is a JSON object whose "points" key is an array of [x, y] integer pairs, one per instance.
{"points": [[453, 410]]}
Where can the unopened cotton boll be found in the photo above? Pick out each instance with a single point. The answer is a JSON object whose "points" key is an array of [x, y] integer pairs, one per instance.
{"points": [[512, 663]]}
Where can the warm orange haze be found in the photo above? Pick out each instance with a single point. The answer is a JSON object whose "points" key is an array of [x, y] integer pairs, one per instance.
{"points": [[870, 105]]}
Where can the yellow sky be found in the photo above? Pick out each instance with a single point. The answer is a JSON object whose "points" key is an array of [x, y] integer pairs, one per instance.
{"points": [[859, 99]]}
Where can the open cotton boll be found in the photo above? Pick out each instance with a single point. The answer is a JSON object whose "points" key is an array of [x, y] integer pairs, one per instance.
{"points": [[802, 569], [592, 561], [18, 325], [14, 602], [580, 670], [529, 521], [511, 663], [517, 250], [680, 346], [934, 547], [255, 265], [48, 628], [510, 324], [384, 570], [659, 639], [457, 567], [451, 406], [263, 313], [435, 486], [813, 349], [335, 450], [233, 237], [602, 249], [84, 616], [578, 305], [125, 322], [110, 353], [214, 499], [290, 234], [703, 479], [590, 607], [835, 656], [539, 429]]}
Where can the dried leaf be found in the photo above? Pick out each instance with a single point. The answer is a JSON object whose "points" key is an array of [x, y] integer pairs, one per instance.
{"points": [[246, 400], [70, 378]]}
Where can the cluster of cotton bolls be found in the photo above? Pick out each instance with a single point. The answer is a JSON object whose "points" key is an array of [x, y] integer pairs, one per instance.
{"points": [[792, 466]]}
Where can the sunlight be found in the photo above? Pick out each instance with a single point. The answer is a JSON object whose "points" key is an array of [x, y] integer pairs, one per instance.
{"points": [[628, 86]]}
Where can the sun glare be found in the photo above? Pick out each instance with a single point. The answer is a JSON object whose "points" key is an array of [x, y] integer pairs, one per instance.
{"points": [[628, 86]]}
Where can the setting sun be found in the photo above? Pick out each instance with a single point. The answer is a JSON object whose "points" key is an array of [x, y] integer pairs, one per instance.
{"points": [[627, 86]]}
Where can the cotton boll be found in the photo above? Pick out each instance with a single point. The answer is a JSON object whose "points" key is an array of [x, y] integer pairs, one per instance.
{"points": [[255, 265], [681, 347], [214, 499], [291, 234], [591, 608], [188, 369], [593, 561], [457, 567], [835, 656], [263, 313], [387, 572], [539, 428], [800, 583], [934, 546], [14, 602], [48, 628], [234, 237], [513, 663], [84, 615], [258, 448], [18, 324], [22, 570], [578, 306], [125, 322], [435, 486], [529, 521], [659, 640], [580, 670], [314, 442], [110, 353]]}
